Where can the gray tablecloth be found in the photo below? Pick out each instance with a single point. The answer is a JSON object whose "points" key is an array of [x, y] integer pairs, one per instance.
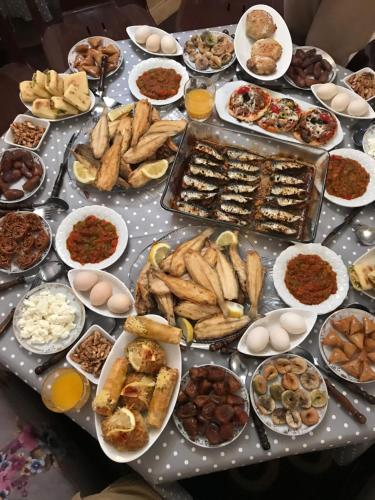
{"points": [[171, 457]]}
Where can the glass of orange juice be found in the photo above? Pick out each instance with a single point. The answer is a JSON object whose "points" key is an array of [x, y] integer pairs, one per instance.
{"points": [[65, 389], [199, 98]]}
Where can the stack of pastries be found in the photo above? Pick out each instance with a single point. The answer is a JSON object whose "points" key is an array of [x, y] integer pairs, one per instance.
{"points": [[139, 386], [54, 96]]}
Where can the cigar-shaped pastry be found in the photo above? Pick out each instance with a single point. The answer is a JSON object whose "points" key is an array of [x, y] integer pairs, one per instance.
{"points": [[161, 397], [105, 402], [150, 329]]}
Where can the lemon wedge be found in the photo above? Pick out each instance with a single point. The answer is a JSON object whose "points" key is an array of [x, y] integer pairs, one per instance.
{"points": [[127, 419], [120, 111], [83, 173], [187, 329], [235, 310], [158, 252], [154, 169], [226, 238]]}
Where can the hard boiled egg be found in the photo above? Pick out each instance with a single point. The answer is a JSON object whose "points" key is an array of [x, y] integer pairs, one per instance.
{"points": [[357, 108], [168, 44], [100, 294], [326, 91], [142, 33], [257, 339], [340, 102], [293, 323], [85, 280], [153, 43], [119, 303], [279, 338]]}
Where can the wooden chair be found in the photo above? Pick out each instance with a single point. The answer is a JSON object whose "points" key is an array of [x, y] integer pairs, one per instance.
{"points": [[106, 19]]}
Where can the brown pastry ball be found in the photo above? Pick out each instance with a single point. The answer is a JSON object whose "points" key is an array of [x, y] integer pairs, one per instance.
{"points": [[146, 355], [259, 24], [116, 430], [261, 65], [267, 47]]}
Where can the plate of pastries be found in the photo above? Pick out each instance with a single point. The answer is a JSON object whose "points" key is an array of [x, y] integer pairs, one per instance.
{"points": [[55, 96], [138, 387]]}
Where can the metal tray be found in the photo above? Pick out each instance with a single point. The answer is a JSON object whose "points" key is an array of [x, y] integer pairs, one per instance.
{"points": [[318, 158]]}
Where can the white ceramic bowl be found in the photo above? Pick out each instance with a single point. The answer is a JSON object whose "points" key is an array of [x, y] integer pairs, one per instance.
{"points": [[76, 365], [369, 135], [131, 30], [367, 258], [9, 138], [362, 70]]}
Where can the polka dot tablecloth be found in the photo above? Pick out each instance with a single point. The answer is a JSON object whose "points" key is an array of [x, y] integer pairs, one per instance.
{"points": [[172, 457]]}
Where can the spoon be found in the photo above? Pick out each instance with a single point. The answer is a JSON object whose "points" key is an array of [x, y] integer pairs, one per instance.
{"points": [[240, 369], [46, 271], [365, 234], [337, 395]]}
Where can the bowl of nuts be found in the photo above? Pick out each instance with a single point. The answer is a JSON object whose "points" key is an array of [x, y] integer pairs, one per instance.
{"points": [[90, 352], [27, 131]]}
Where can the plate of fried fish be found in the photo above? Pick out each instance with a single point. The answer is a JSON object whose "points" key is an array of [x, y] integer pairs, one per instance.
{"points": [[209, 289], [126, 149]]}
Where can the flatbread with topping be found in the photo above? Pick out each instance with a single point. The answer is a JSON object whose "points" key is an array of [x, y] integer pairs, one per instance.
{"points": [[248, 103]]}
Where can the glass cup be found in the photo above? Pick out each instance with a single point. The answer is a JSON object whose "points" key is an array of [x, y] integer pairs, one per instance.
{"points": [[65, 389], [199, 98]]}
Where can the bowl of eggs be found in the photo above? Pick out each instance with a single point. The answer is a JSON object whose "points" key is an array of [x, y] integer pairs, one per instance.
{"points": [[102, 292], [342, 101], [154, 40], [279, 331]]}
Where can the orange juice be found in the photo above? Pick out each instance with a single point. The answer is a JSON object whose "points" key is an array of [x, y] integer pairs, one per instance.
{"points": [[199, 104], [64, 390]]}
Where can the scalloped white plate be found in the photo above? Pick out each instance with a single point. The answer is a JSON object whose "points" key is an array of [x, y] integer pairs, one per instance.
{"points": [[173, 355], [130, 30], [272, 318], [79, 214], [153, 63], [334, 300]]}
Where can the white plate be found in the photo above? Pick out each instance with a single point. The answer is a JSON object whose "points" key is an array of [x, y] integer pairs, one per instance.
{"points": [[77, 366], [18, 184], [130, 30], [41, 122], [60, 344], [353, 97], [326, 350], [368, 164], [117, 287], [267, 420], [152, 63], [243, 44], [368, 137], [29, 106], [363, 70], [210, 71], [79, 214], [106, 41], [335, 261], [221, 101], [173, 355], [272, 318], [369, 257]]}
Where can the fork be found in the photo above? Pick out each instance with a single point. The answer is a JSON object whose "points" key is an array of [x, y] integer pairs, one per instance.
{"points": [[46, 212]]}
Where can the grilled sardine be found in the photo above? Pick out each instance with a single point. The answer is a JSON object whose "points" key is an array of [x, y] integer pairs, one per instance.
{"points": [[198, 184], [200, 160], [244, 167], [287, 179], [284, 202], [242, 176], [288, 191], [279, 215], [276, 228], [232, 208], [241, 188], [192, 195], [191, 209], [207, 172], [237, 198], [241, 155], [281, 166], [204, 148]]}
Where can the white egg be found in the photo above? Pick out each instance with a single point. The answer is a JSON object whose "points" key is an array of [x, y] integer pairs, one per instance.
{"points": [[84, 280], [257, 339], [279, 338], [357, 108], [100, 293], [293, 323], [340, 102], [327, 91], [142, 33], [119, 303], [153, 43], [168, 44]]}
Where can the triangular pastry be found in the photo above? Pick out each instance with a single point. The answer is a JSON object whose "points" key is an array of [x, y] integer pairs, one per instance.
{"points": [[342, 325], [353, 367], [369, 344], [349, 349], [355, 326], [337, 356], [369, 325], [358, 339], [367, 372], [333, 339]]}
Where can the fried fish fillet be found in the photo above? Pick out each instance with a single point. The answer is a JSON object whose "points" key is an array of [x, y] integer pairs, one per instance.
{"points": [[255, 277], [143, 299], [177, 266], [170, 127], [163, 298], [125, 169], [239, 265], [227, 276], [195, 312], [141, 120], [125, 129], [100, 136], [110, 166], [218, 326], [155, 115], [145, 148], [187, 290], [209, 255], [137, 178]]}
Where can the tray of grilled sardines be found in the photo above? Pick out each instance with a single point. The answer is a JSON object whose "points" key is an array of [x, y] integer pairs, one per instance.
{"points": [[205, 281], [264, 184]]}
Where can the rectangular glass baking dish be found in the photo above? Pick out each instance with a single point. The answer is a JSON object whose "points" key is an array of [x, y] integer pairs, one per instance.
{"points": [[266, 146]]}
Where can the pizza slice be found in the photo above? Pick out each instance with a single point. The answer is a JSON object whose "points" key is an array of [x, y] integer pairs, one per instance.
{"points": [[316, 127], [248, 103], [282, 116]]}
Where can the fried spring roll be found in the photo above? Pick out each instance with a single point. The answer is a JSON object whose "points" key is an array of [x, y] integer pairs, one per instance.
{"points": [[145, 327], [161, 397], [105, 402]]}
